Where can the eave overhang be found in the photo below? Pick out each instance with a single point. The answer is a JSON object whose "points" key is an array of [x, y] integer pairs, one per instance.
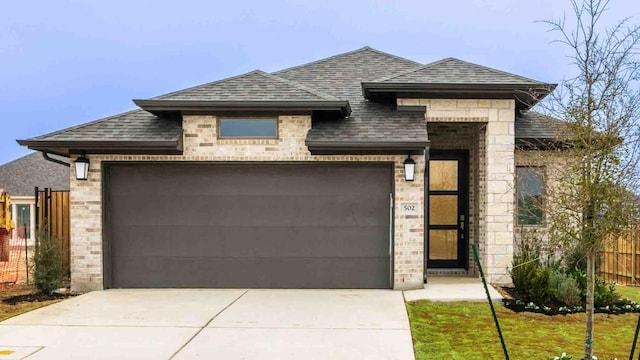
{"points": [[134, 147], [367, 147], [526, 95], [165, 107]]}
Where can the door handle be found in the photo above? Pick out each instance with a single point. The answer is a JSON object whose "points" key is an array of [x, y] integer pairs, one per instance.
{"points": [[461, 222]]}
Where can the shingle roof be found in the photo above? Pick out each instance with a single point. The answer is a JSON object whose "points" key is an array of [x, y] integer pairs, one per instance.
{"points": [[341, 76], [129, 126], [252, 86], [19, 177], [534, 125], [455, 71], [335, 78]]}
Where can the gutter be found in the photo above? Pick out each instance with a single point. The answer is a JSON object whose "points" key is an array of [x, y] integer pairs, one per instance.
{"points": [[46, 156]]}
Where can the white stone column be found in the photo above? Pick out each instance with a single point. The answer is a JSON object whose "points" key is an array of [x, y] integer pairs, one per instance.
{"points": [[500, 190]]}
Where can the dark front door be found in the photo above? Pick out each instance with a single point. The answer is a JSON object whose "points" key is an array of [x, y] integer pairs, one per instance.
{"points": [[247, 226], [447, 210]]}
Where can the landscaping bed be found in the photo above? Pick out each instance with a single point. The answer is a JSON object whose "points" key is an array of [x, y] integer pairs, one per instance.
{"points": [[19, 299], [514, 300]]}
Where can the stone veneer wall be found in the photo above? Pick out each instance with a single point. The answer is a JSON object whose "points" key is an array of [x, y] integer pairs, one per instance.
{"points": [[496, 172], [201, 144]]}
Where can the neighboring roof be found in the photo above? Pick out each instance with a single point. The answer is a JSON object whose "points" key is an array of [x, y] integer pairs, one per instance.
{"points": [[19, 177], [370, 123], [133, 131]]}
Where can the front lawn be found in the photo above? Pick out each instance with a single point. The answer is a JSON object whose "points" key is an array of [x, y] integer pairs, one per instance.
{"points": [[19, 299], [465, 331]]}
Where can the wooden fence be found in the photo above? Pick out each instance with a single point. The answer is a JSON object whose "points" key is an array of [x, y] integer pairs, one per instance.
{"points": [[620, 261], [52, 216]]}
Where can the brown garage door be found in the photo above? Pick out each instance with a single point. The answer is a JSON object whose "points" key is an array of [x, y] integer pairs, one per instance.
{"points": [[247, 226]]}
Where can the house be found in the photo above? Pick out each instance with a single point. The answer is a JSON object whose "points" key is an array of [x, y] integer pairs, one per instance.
{"points": [[361, 170], [20, 177]]}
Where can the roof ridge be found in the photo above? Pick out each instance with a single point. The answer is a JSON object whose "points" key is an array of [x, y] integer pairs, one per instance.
{"points": [[252, 72], [495, 70], [159, 97], [298, 86], [441, 61], [79, 126], [395, 75], [389, 54], [364, 48]]}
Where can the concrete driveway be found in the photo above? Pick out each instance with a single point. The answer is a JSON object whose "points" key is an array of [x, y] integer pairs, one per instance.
{"points": [[214, 324]]}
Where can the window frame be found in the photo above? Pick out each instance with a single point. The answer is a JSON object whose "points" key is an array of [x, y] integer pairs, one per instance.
{"points": [[542, 172], [243, 118], [30, 209]]}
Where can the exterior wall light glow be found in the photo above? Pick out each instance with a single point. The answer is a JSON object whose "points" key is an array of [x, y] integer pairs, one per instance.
{"points": [[82, 167], [409, 169]]}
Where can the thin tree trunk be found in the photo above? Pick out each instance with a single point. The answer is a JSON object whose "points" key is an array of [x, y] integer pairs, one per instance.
{"points": [[588, 338]]}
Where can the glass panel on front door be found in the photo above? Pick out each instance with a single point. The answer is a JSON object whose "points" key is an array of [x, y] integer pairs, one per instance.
{"points": [[444, 175], [447, 210], [444, 244]]}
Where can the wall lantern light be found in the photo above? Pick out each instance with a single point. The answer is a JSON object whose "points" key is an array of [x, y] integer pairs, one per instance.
{"points": [[82, 167], [409, 169]]}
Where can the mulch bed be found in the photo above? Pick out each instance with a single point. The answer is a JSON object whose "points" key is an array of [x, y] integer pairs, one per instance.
{"points": [[517, 302], [34, 297]]}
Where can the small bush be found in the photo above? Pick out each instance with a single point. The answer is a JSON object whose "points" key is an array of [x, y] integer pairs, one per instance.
{"points": [[47, 260], [540, 290], [526, 261], [565, 289], [523, 272], [604, 292]]}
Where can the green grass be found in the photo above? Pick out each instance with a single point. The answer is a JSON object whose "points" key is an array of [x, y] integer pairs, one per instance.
{"points": [[466, 331], [629, 292]]}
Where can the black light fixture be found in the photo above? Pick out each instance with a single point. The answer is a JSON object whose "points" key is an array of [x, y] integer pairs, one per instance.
{"points": [[82, 167], [409, 168]]}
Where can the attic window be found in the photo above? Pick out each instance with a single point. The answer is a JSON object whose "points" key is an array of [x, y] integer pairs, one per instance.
{"points": [[248, 128]]}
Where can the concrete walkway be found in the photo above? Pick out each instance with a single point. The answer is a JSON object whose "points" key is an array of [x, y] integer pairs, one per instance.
{"points": [[208, 324], [453, 289]]}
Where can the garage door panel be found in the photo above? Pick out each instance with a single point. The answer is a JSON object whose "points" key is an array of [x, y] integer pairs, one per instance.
{"points": [[261, 210], [176, 272], [258, 225], [155, 179], [254, 241]]}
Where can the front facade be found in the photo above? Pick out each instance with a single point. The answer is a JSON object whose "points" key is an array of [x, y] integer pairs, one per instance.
{"points": [[297, 179]]}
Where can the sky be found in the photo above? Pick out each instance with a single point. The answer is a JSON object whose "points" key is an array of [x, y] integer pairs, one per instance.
{"points": [[67, 62]]}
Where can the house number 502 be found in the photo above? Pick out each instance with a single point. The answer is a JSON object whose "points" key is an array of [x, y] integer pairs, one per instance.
{"points": [[409, 207]]}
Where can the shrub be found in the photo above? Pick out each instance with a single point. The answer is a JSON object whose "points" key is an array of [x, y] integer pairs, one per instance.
{"points": [[540, 290], [564, 288], [526, 261], [604, 292], [523, 273], [47, 260]]}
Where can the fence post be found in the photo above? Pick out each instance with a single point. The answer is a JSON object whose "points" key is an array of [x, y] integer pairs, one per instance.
{"points": [[632, 235]]}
